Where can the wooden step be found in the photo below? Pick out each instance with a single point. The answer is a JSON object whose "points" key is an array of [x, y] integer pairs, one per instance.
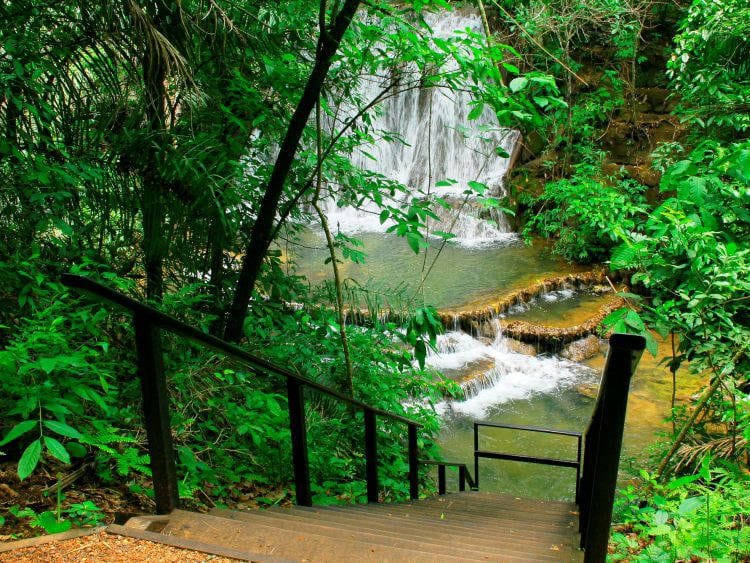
{"points": [[387, 523], [416, 539], [460, 527], [298, 545]]}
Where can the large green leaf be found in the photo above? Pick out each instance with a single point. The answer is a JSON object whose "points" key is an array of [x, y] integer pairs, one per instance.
{"points": [[62, 429], [29, 459], [19, 430], [56, 449]]}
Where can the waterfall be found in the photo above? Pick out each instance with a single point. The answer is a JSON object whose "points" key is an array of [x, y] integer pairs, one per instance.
{"points": [[501, 375], [439, 143]]}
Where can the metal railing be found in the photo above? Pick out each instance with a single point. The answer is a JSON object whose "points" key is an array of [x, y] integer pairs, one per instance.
{"points": [[596, 476], [603, 444], [149, 323], [464, 477], [573, 463]]}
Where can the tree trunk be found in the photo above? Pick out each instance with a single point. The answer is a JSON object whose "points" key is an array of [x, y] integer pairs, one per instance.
{"points": [[152, 205], [260, 234]]}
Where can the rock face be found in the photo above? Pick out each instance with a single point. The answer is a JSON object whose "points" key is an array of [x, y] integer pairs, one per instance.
{"points": [[480, 320], [583, 349], [553, 339]]}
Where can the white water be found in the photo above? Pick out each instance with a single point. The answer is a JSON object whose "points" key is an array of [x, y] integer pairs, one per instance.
{"points": [[439, 143], [505, 375]]}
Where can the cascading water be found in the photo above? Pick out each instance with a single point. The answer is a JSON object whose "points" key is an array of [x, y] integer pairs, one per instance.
{"points": [[500, 384], [497, 374], [439, 143]]}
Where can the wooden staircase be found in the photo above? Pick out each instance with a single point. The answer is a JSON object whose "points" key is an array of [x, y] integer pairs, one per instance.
{"points": [[469, 526]]}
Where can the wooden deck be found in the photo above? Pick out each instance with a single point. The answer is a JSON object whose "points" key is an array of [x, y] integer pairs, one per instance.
{"points": [[465, 526]]}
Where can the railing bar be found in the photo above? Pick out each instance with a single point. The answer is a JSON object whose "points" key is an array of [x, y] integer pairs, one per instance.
{"points": [[298, 429], [476, 457], [413, 462], [528, 459], [371, 455], [446, 463], [529, 428], [155, 400], [171, 324], [578, 472]]}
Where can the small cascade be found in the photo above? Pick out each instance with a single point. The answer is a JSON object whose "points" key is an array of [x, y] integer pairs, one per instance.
{"points": [[493, 374], [439, 143]]}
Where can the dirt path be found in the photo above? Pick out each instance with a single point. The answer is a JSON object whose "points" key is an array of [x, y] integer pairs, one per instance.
{"points": [[102, 546]]}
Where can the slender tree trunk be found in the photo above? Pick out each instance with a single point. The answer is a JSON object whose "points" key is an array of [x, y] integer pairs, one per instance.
{"points": [[152, 203], [216, 266], [334, 263], [260, 233]]}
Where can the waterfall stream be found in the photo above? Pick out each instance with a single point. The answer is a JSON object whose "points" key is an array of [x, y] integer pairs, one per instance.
{"points": [[486, 262], [438, 143]]}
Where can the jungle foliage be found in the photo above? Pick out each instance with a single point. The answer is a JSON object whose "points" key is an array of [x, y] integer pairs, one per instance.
{"points": [[682, 242], [162, 148]]}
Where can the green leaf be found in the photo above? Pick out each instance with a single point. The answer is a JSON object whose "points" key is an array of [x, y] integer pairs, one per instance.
{"points": [[634, 321], [518, 84], [49, 522], [511, 68], [62, 429], [690, 504], [19, 430], [420, 352], [75, 449], [48, 365], [29, 459], [476, 112], [413, 240], [478, 187], [56, 449], [661, 517]]}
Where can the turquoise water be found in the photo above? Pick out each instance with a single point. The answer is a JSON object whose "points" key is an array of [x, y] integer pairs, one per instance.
{"points": [[461, 275]]}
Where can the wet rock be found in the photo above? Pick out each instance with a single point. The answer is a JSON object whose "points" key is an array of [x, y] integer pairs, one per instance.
{"points": [[583, 349], [520, 347], [476, 370], [553, 339], [590, 390]]}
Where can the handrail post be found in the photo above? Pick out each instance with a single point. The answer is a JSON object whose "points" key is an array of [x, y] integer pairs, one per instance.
{"points": [[298, 428], [371, 455], [441, 480], [476, 455], [156, 413], [413, 463], [578, 471], [461, 478], [604, 444]]}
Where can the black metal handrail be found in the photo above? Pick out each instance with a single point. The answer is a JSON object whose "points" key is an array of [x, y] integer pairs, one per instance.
{"points": [[603, 444], [148, 322], [572, 463], [464, 477]]}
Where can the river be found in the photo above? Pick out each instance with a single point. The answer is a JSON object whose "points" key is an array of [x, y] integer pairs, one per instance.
{"points": [[484, 262]]}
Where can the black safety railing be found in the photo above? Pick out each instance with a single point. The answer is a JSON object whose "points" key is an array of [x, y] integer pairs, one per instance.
{"points": [[573, 463], [596, 474], [149, 323], [464, 477], [603, 444]]}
